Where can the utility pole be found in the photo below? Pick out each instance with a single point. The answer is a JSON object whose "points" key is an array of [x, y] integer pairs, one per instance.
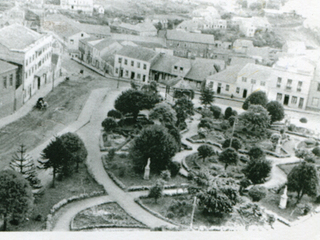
{"points": [[119, 75]]}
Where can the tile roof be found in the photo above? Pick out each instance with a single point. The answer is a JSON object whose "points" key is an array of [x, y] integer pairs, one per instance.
{"points": [[190, 37], [94, 29], [16, 36], [255, 71], [140, 27], [202, 68], [61, 29], [139, 53], [104, 44], [229, 75], [165, 63], [241, 61], [5, 66]]}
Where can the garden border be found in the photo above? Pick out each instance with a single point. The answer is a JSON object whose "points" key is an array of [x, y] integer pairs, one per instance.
{"points": [[71, 227], [205, 142]]}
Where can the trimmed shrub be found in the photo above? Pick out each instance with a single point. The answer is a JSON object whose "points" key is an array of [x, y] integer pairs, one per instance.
{"points": [[292, 128], [170, 215], [228, 112], [114, 113], [165, 175], [174, 168], [206, 113], [316, 151], [216, 111], [236, 144], [303, 120], [257, 193], [109, 124]]}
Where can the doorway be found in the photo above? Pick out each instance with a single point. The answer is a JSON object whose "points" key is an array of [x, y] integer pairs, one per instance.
{"points": [[219, 90], [286, 100], [301, 102], [39, 82], [245, 92], [132, 75]]}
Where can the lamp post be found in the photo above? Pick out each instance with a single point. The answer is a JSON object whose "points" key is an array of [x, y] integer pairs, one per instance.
{"points": [[193, 209]]}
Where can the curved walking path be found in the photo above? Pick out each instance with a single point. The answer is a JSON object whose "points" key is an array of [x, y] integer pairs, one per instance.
{"points": [[90, 135]]}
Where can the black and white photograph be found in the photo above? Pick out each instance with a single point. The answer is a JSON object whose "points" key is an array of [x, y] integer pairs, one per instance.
{"points": [[178, 119]]}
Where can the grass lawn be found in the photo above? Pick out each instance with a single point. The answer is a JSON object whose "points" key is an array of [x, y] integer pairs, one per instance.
{"points": [[163, 204], [122, 168], [75, 185], [286, 168]]}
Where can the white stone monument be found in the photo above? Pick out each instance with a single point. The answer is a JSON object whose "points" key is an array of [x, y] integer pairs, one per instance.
{"points": [[284, 198], [278, 147], [147, 170]]}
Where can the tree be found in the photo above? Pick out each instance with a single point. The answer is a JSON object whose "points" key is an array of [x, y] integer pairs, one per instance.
{"points": [[75, 146], [303, 179], [216, 111], [156, 190], [256, 153], [228, 112], [256, 98], [236, 144], [229, 156], [184, 108], [55, 156], [114, 114], [275, 110], [151, 88], [256, 120], [305, 155], [206, 123], [205, 151], [132, 101], [207, 97], [24, 164], [109, 124], [164, 113], [257, 170], [316, 151], [175, 133], [16, 199], [155, 143], [214, 202]]}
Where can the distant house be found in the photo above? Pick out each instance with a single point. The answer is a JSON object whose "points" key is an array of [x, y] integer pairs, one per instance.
{"points": [[248, 26], [10, 90], [140, 29], [189, 45], [242, 45], [134, 63], [294, 47], [85, 6], [99, 31], [99, 9]]}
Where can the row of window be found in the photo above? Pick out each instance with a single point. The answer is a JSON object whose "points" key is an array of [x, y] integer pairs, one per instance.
{"points": [[36, 66], [126, 74], [132, 63], [289, 84], [254, 81], [294, 99], [37, 54], [5, 81]]}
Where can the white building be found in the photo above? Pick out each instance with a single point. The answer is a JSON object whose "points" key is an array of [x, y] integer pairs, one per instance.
{"points": [[31, 52], [134, 63], [85, 6]]}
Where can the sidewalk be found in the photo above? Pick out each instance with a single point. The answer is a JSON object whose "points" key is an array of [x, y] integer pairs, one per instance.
{"points": [[27, 107]]}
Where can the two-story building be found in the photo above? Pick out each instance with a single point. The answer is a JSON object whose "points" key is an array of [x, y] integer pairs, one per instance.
{"points": [[31, 52], [85, 6], [134, 63], [189, 45], [10, 90], [141, 29]]}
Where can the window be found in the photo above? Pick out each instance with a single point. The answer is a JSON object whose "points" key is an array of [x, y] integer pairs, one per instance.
{"points": [[138, 64], [144, 78], [27, 62], [244, 79], [132, 63], [117, 70], [289, 83], [315, 101], [144, 66], [138, 76], [81, 34], [127, 73], [238, 90], [279, 82], [26, 75], [5, 82], [11, 79], [71, 42], [262, 83], [227, 87], [253, 81], [299, 86], [211, 85], [294, 100], [181, 69], [318, 87], [279, 96], [175, 68], [125, 62]]}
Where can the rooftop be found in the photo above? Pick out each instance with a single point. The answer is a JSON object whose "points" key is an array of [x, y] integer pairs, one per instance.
{"points": [[241, 61], [229, 75], [5, 66], [95, 29], [165, 63], [139, 53], [61, 29], [202, 68], [190, 37], [16, 36], [251, 70]]}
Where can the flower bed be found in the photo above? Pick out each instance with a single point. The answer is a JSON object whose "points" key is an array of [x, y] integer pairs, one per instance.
{"points": [[210, 142], [144, 188], [107, 215], [64, 202], [117, 146]]}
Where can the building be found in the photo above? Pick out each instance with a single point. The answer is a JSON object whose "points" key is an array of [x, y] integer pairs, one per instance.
{"points": [[13, 15], [10, 89], [31, 52], [56, 66], [99, 9], [141, 29], [134, 63], [294, 48], [248, 26], [189, 45], [85, 6]]}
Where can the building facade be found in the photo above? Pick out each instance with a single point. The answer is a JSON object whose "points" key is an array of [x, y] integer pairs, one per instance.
{"points": [[85, 6]]}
